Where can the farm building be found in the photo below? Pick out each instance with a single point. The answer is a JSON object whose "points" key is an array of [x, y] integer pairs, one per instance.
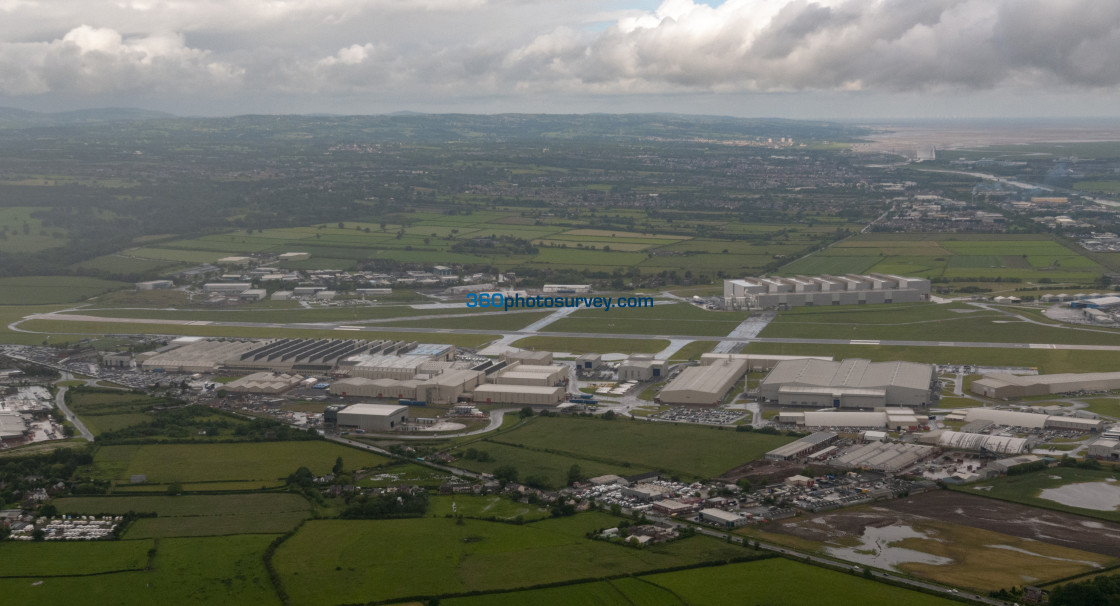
{"points": [[641, 367], [264, 382], [373, 417], [756, 362], [851, 289], [978, 442], [853, 383], [374, 388], [528, 358], [523, 395], [1007, 386], [719, 517], [704, 385], [802, 447], [521, 374]]}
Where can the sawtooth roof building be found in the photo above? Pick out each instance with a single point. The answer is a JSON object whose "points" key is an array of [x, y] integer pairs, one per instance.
{"points": [[853, 383], [850, 289]]}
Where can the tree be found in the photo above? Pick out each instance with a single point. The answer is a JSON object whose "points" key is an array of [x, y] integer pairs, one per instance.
{"points": [[609, 415], [174, 489], [526, 412], [337, 469], [575, 474], [506, 474]]}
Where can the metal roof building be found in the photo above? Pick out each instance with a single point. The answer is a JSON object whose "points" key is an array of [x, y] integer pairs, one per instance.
{"points": [[883, 456], [525, 395], [756, 362], [1006, 386], [853, 383], [704, 385], [979, 441], [803, 446], [374, 388], [373, 417]]}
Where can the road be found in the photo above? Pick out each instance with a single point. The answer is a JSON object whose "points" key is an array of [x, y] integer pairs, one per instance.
{"points": [[60, 401], [462, 473]]}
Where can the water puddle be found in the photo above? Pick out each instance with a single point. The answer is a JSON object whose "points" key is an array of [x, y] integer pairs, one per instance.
{"points": [[877, 548], [1101, 496]]}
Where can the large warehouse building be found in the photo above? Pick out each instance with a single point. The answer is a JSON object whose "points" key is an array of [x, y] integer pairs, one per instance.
{"points": [[527, 374], [1007, 386], [854, 383], [892, 418], [704, 385], [521, 395], [956, 440], [851, 289], [756, 362], [1027, 420], [373, 417]]}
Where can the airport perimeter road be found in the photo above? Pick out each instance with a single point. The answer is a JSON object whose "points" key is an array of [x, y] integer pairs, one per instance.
{"points": [[522, 333], [60, 401]]}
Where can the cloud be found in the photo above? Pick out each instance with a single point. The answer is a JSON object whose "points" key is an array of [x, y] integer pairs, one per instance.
{"points": [[96, 60], [419, 50]]}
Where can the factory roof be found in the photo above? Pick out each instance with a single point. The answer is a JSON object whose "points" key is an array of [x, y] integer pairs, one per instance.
{"points": [[851, 373], [379, 410], [535, 389], [711, 378], [11, 424]]}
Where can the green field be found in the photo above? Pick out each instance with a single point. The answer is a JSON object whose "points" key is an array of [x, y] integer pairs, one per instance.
{"points": [[925, 322], [485, 507], [773, 581], [1048, 361], [1109, 407], [187, 505], [52, 559], [215, 570], [255, 463], [20, 232], [330, 561], [1025, 489], [38, 290], [688, 451], [693, 350], [580, 345], [979, 257], [673, 318]]}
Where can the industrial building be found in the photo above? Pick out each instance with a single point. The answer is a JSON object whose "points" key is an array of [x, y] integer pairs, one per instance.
{"points": [[853, 383], [383, 366], [155, 285], [979, 442], [1105, 448], [850, 289], [1028, 420], [566, 288], [1005, 386], [883, 456], [703, 385], [721, 518], [589, 361], [229, 288], [13, 427], [373, 417], [198, 356], [522, 374], [892, 418], [523, 395], [802, 447], [264, 382], [446, 387], [757, 362], [641, 367], [374, 388]]}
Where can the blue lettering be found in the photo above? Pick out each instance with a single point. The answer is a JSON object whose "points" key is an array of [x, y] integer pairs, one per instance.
{"points": [[472, 300]]}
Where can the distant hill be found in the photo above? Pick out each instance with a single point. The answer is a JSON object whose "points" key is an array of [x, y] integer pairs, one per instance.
{"points": [[11, 117]]}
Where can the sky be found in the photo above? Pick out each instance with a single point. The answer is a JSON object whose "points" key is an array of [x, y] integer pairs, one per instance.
{"points": [[823, 59]]}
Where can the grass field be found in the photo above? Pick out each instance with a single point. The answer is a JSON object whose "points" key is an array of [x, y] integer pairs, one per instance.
{"points": [[39, 290], [485, 507], [70, 328], [1048, 361], [259, 463], [49, 559], [674, 318], [580, 345], [693, 350], [24, 233], [187, 505], [1025, 489], [923, 322], [1109, 407], [330, 561], [772, 581], [980, 257], [688, 451], [214, 570]]}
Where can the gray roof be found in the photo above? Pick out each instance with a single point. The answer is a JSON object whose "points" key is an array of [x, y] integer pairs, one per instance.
{"points": [[852, 373]]}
